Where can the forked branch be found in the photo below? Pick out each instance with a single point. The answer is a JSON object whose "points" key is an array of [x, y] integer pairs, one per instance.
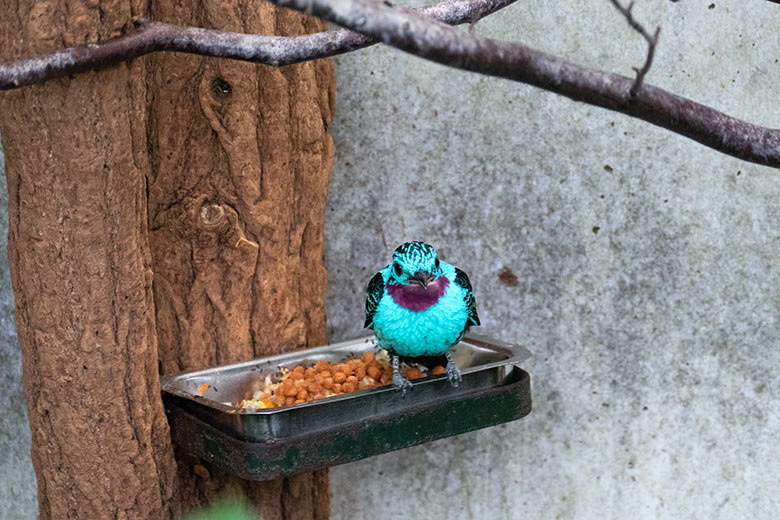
{"points": [[652, 42], [436, 42]]}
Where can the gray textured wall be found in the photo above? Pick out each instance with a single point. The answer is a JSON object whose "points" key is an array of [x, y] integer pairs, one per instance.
{"points": [[17, 480], [655, 338]]}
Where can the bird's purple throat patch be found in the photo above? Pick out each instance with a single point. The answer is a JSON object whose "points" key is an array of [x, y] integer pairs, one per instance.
{"points": [[417, 298]]}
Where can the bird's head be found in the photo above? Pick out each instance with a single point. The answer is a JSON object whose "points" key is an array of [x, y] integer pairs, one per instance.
{"points": [[415, 263]]}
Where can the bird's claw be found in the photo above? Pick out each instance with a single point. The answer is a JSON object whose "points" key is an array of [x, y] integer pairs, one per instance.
{"points": [[453, 374], [401, 384]]}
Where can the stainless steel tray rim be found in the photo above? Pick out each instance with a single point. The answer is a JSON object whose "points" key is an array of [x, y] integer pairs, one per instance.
{"points": [[517, 354]]}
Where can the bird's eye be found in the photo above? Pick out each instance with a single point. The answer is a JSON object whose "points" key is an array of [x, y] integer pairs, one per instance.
{"points": [[437, 263], [398, 270]]}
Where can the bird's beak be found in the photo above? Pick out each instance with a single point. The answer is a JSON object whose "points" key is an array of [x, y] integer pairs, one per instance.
{"points": [[422, 278]]}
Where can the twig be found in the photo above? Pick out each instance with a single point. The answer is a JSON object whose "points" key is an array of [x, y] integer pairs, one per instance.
{"points": [[437, 42], [652, 41], [151, 37], [477, 18]]}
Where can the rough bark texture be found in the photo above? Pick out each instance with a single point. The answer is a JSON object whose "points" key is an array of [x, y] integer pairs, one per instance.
{"points": [[241, 158], [234, 159], [76, 158]]}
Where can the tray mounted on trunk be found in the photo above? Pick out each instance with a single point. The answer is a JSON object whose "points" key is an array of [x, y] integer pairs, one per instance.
{"points": [[276, 442]]}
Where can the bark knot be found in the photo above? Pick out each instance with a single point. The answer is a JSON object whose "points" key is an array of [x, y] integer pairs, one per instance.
{"points": [[212, 215]]}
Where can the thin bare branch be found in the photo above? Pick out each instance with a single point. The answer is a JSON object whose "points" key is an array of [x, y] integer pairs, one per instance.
{"points": [[652, 42], [442, 44], [151, 37]]}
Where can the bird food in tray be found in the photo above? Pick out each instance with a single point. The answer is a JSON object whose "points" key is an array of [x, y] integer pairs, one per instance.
{"points": [[279, 396], [325, 379]]}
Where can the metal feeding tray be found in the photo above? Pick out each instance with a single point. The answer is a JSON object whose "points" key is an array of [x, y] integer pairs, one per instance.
{"points": [[276, 442]]}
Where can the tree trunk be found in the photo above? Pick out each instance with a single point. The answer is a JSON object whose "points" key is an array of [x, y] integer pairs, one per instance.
{"points": [[76, 159], [237, 196], [234, 159]]}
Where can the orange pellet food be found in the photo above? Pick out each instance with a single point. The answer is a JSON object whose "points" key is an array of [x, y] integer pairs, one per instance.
{"points": [[301, 383], [438, 369], [413, 373]]}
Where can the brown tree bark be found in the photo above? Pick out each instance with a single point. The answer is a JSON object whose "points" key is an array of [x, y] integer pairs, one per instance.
{"points": [[76, 160], [234, 160], [241, 159]]}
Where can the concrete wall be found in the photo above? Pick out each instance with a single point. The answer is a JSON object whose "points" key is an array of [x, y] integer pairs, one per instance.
{"points": [[17, 480], [647, 283], [649, 289]]}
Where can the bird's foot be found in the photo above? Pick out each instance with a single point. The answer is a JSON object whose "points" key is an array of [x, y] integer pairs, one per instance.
{"points": [[453, 372], [401, 384]]}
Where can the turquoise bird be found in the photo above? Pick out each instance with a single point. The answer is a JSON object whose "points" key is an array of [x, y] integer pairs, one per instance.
{"points": [[420, 306]]}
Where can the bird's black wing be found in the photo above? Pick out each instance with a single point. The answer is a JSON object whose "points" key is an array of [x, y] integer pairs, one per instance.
{"points": [[376, 287], [463, 281]]}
